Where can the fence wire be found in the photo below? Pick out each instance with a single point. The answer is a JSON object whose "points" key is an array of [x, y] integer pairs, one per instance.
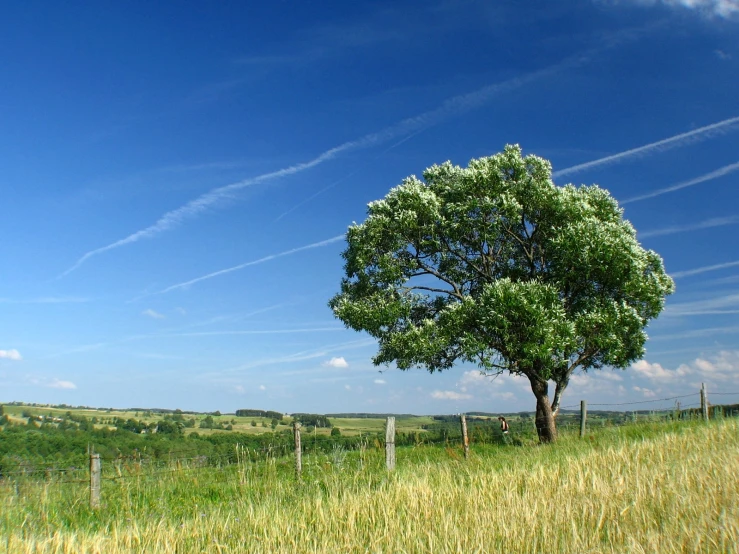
{"points": [[142, 464]]}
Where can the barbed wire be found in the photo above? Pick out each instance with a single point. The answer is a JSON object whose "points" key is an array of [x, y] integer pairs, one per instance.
{"points": [[632, 403], [239, 455]]}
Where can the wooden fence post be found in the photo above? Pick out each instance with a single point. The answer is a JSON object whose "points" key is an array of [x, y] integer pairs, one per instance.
{"points": [[465, 439], [583, 416], [94, 481], [298, 450], [704, 402], [390, 443]]}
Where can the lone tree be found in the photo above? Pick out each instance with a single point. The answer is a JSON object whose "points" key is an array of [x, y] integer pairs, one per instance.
{"points": [[496, 265]]}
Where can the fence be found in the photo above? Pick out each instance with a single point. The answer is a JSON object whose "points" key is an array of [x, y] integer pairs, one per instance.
{"points": [[89, 469]]}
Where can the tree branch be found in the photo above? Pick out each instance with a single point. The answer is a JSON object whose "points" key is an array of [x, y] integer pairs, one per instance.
{"points": [[432, 289], [464, 259]]}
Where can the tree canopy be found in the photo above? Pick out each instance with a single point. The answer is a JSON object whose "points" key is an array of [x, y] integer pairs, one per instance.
{"points": [[496, 265]]}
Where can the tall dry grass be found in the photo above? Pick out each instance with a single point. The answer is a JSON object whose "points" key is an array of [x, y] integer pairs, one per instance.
{"points": [[644, 489]]}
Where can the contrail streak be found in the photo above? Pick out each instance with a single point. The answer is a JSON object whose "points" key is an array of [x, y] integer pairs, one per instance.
{"points": [[254, 262], [715, 222], [452, 106], [698, 180], [695, 135], [704, 269]]}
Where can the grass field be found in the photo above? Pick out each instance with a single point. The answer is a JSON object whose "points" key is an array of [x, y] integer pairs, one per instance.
{"points": [[651, 487], [348, 426]]}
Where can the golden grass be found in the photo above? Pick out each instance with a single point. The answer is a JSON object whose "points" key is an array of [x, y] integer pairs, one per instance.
{"points": [[670, 492]]}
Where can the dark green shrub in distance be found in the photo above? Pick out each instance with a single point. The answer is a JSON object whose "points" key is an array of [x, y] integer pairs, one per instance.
{"points": [[335, 432]]}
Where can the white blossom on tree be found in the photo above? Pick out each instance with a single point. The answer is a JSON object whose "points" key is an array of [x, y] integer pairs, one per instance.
{"points": [[496, 265]]}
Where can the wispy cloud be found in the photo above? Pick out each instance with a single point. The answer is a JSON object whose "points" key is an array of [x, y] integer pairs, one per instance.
{"points": [[715, 222], [152, 314], [79, 349], [685, 184], [380, 382], [301, 356], [65, 385], [449, 395], [11, 354], [696, 135], [451, 107], [254, 262], [726, 9], [718, 305], [698, 333], [704, 269], [721, 55], [52, 384], [252, 332]]}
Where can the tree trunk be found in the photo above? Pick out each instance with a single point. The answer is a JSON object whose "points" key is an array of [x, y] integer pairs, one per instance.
{"points": [[545, 427], [558, 390]]}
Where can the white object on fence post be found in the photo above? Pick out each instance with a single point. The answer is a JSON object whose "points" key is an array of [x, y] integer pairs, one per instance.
{"points": [[298, 450], [390, 443], [94, 481], [704, 402], [583, 416], [465, 440]]}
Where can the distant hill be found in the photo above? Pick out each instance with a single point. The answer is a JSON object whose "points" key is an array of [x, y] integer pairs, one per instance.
{"points": [[363, 415]]}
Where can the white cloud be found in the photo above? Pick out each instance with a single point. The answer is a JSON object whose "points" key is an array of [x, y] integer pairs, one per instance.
{"points": [[239, 389], [348, 387], [262, 387], [380, 382], [600, 382], [719, 368], [648, 393], [491, 384], [11, 354], [58, 384], [725, 9], [181, 311], [656, 373], [610, 376], [336, 362], [449, 395], [151, 313]]}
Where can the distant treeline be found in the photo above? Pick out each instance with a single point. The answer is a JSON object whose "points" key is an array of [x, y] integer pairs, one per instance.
{"points": [[28, 448], [316, 420], [363, 415], [260, 413]]}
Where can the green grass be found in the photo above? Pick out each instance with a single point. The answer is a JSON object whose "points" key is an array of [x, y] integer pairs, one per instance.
{"points": [[648, 487]]}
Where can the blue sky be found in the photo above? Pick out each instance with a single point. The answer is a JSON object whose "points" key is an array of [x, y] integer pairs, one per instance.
{"points": [[176, 180]]}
